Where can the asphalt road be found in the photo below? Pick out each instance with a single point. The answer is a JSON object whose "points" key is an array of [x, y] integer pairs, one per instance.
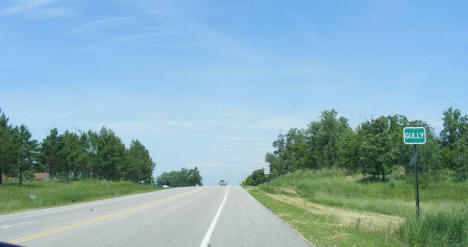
{"points": [[192, 216]]}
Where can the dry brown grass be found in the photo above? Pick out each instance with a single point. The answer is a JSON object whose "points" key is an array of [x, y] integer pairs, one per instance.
{"points": [[367, 220], [288, 190]]}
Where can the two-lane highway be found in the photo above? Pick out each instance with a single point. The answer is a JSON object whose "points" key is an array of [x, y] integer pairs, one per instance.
{"points": [[192, 216]]}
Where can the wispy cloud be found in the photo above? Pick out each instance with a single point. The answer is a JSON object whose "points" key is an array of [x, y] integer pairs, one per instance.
{"points": [[127, 31], [164, 27], [183, 19], [22, 6], [223, 44], [145, 35], [38, 9], [99, 24]]}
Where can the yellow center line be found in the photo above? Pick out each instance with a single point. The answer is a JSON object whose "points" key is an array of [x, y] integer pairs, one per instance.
{"points": [[86, 222]]}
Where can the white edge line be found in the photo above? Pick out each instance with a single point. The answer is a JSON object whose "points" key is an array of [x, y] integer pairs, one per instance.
{"points": [[208, 233]]}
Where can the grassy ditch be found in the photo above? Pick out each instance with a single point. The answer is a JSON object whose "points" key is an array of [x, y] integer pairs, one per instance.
{"points": [[439, 229], [40, 194], [332, 208], [322, 228]]}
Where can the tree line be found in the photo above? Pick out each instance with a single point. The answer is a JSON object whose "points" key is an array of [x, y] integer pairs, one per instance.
{"points": [[375, 148], [69, 155], [184, 177]]}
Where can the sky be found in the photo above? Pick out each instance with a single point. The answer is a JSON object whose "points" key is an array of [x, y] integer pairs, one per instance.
{"points": [[213, 83]]}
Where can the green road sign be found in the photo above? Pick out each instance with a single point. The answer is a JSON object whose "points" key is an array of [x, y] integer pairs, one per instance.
{"points": [[414, 135]]}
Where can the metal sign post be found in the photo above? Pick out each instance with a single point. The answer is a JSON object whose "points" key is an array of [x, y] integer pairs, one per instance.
{"points": [[268, 180], [416, 181], [266, 171], [415, 136]]}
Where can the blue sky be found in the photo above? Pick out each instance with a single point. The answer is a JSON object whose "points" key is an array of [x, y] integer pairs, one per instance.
{"points": [[212, 83]]}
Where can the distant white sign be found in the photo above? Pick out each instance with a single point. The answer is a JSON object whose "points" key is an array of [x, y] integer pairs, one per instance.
{"points": [[266, 170]]}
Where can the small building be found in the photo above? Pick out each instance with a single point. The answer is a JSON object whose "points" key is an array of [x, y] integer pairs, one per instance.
{"points": [[41, 176]]}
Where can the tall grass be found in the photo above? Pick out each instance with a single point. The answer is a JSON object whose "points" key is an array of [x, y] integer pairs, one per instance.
{"points": [[39, 194], [439, 229], [443, 203], [396, 197]]}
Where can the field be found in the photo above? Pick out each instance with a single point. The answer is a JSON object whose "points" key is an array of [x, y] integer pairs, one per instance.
{"points": [[41, 194], [332, 208]]}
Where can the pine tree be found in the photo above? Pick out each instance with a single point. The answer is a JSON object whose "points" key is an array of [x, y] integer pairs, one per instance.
{"points": [[26, 149], [140, 166], [51, 154], [5, 130]]}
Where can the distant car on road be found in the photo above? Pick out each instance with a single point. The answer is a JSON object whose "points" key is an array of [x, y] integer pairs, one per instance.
{"points": [[222, 182]]}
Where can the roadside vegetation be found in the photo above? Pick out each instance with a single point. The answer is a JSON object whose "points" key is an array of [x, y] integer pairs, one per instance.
{"points": [[184, 177], [71, 156], [41, 194], [78, 167], [331, 207], [338, 188], [329, 167]]}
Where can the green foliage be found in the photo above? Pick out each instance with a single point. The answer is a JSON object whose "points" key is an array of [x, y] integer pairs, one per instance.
{"points": [[184, 177], [51, 155], [437, 229], [326, 135], [26, 148], [95, 155], [315, 147], [9, 148], [257, 177], [453, 122], [140, 166], [381, 146], [4, 145], [72, 153], [454, 141], [461, 158], [110, 154], [72, 156], [375, 148], [349, 151]]}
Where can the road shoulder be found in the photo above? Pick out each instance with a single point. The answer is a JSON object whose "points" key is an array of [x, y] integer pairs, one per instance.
{"points": [[327, 226]]}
